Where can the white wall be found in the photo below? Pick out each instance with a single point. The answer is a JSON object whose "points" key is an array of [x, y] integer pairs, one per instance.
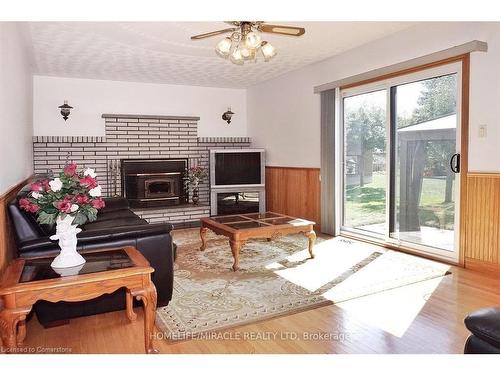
{"points": [[91, 98], [284, 113], [16, 130]]}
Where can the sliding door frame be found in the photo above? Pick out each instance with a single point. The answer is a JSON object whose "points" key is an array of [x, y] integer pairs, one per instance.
{"points": [[364, 89], [462, 106]]}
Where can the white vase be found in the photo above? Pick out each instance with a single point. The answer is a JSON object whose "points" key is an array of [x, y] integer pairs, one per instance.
{"points": [[68, 271], [66, 234]]}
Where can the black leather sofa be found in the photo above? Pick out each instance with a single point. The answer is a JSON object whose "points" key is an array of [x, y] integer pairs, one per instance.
{"points": [[485, 327], [116, 226]]}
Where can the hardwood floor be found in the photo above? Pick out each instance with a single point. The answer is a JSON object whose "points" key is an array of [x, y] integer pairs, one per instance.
{"points": [[425, 317]]}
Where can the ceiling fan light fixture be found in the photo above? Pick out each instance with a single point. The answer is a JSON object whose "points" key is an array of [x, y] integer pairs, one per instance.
{"points": [[268, 50], [223, 48], [236, 57], [247, 53], [252, 39], [245, 40]]}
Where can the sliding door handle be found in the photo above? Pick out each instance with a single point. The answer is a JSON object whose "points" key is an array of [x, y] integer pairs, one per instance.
{"points": [[455, 163]]}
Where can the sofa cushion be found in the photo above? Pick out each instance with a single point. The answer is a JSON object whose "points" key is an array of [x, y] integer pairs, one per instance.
{"points": [[485, 324]]}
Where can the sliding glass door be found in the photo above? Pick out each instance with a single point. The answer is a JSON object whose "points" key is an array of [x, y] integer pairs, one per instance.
{"points": [[365, 173], [425, 142], [400, 161]]}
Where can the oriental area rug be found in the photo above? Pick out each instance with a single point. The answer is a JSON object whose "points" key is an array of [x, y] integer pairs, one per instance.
{"points": [[276, 278]]}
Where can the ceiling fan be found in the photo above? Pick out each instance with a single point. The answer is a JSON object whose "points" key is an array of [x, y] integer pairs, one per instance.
{"points": [[245, 40]]}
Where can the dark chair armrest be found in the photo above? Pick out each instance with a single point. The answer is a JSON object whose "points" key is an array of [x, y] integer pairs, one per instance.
{"points": [[485, 324]]}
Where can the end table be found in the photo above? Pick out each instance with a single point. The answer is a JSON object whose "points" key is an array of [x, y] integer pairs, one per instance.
{"points": [[27, 281]]}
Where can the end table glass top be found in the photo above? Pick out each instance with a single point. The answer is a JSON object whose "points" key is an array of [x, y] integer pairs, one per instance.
{"points": [[40, 269], [256, 220]]}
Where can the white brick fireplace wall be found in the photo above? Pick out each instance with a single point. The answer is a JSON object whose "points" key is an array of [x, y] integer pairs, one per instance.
{"points": [[136, 137]]}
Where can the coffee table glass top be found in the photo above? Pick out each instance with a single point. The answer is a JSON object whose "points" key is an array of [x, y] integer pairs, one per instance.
{"points": [[40, 269], [256, 220]]}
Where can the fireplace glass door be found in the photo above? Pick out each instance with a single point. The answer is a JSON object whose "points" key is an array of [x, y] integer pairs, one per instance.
{"points": [[160, 188]]}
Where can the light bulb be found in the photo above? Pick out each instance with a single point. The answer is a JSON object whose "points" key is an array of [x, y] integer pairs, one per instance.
{"points": [[223, 48], [247, 53], [236, 57], [268, 51], [252, 40]]}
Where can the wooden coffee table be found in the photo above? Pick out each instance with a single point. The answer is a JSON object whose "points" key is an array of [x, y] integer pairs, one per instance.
{"points": [[27, 281], [240, 228]]}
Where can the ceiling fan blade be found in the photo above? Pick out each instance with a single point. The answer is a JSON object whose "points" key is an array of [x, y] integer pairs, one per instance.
{"points": [[279, 29], [234, 23], [214, 33]]}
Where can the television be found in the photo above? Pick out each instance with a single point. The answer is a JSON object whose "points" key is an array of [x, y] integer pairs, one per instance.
{"points": [[237, 167]]}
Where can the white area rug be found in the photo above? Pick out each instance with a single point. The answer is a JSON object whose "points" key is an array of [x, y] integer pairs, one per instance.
{"points": [[276, 278]]}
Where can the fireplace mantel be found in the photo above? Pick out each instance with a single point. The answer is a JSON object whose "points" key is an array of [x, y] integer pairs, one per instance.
{"points": [[149, 117]]}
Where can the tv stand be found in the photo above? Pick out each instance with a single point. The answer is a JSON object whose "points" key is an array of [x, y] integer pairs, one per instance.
{"points": [[233, 200]]}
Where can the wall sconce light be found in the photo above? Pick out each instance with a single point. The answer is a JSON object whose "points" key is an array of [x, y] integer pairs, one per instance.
{"points": [[226, 116], [65, 110]]}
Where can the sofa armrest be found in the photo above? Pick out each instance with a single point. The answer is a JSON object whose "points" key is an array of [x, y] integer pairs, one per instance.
{"points": [[485, 324]]}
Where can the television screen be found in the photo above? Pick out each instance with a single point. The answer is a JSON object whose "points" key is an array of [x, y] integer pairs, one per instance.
{"points": [[237, 168]]}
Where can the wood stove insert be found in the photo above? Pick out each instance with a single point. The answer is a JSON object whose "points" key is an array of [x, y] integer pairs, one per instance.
{"points": [[154, 182]]}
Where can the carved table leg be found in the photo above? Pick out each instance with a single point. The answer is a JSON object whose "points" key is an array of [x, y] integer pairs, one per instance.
{"points": [[311, 236], [148, 298], [203, 233], [21, 332], [131, 315], [235, 249], [13, 326]]}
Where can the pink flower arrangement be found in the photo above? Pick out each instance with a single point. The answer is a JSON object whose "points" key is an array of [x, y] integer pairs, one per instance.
{"points": [[72, 192], [70, 169], [45, 184], [82, 199], [88, 182], [29, 206], [98, 203], [37, 186]]}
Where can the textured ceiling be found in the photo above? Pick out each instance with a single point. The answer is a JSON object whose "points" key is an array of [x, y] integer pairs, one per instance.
{"points": [[162, 52]]}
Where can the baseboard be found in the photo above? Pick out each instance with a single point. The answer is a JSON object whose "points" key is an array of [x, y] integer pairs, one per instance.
{"points": [[482, 266]]}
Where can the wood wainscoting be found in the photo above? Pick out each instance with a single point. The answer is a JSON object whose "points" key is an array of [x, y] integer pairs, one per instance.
{"points": [[482, 222], [294, 191], [7, 244]]}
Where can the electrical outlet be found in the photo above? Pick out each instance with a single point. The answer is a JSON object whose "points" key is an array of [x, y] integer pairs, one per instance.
{"points": [[482, 133]]}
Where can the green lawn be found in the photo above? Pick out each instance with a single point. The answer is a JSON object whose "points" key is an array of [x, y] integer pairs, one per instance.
{"points": [[366, 205]]}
